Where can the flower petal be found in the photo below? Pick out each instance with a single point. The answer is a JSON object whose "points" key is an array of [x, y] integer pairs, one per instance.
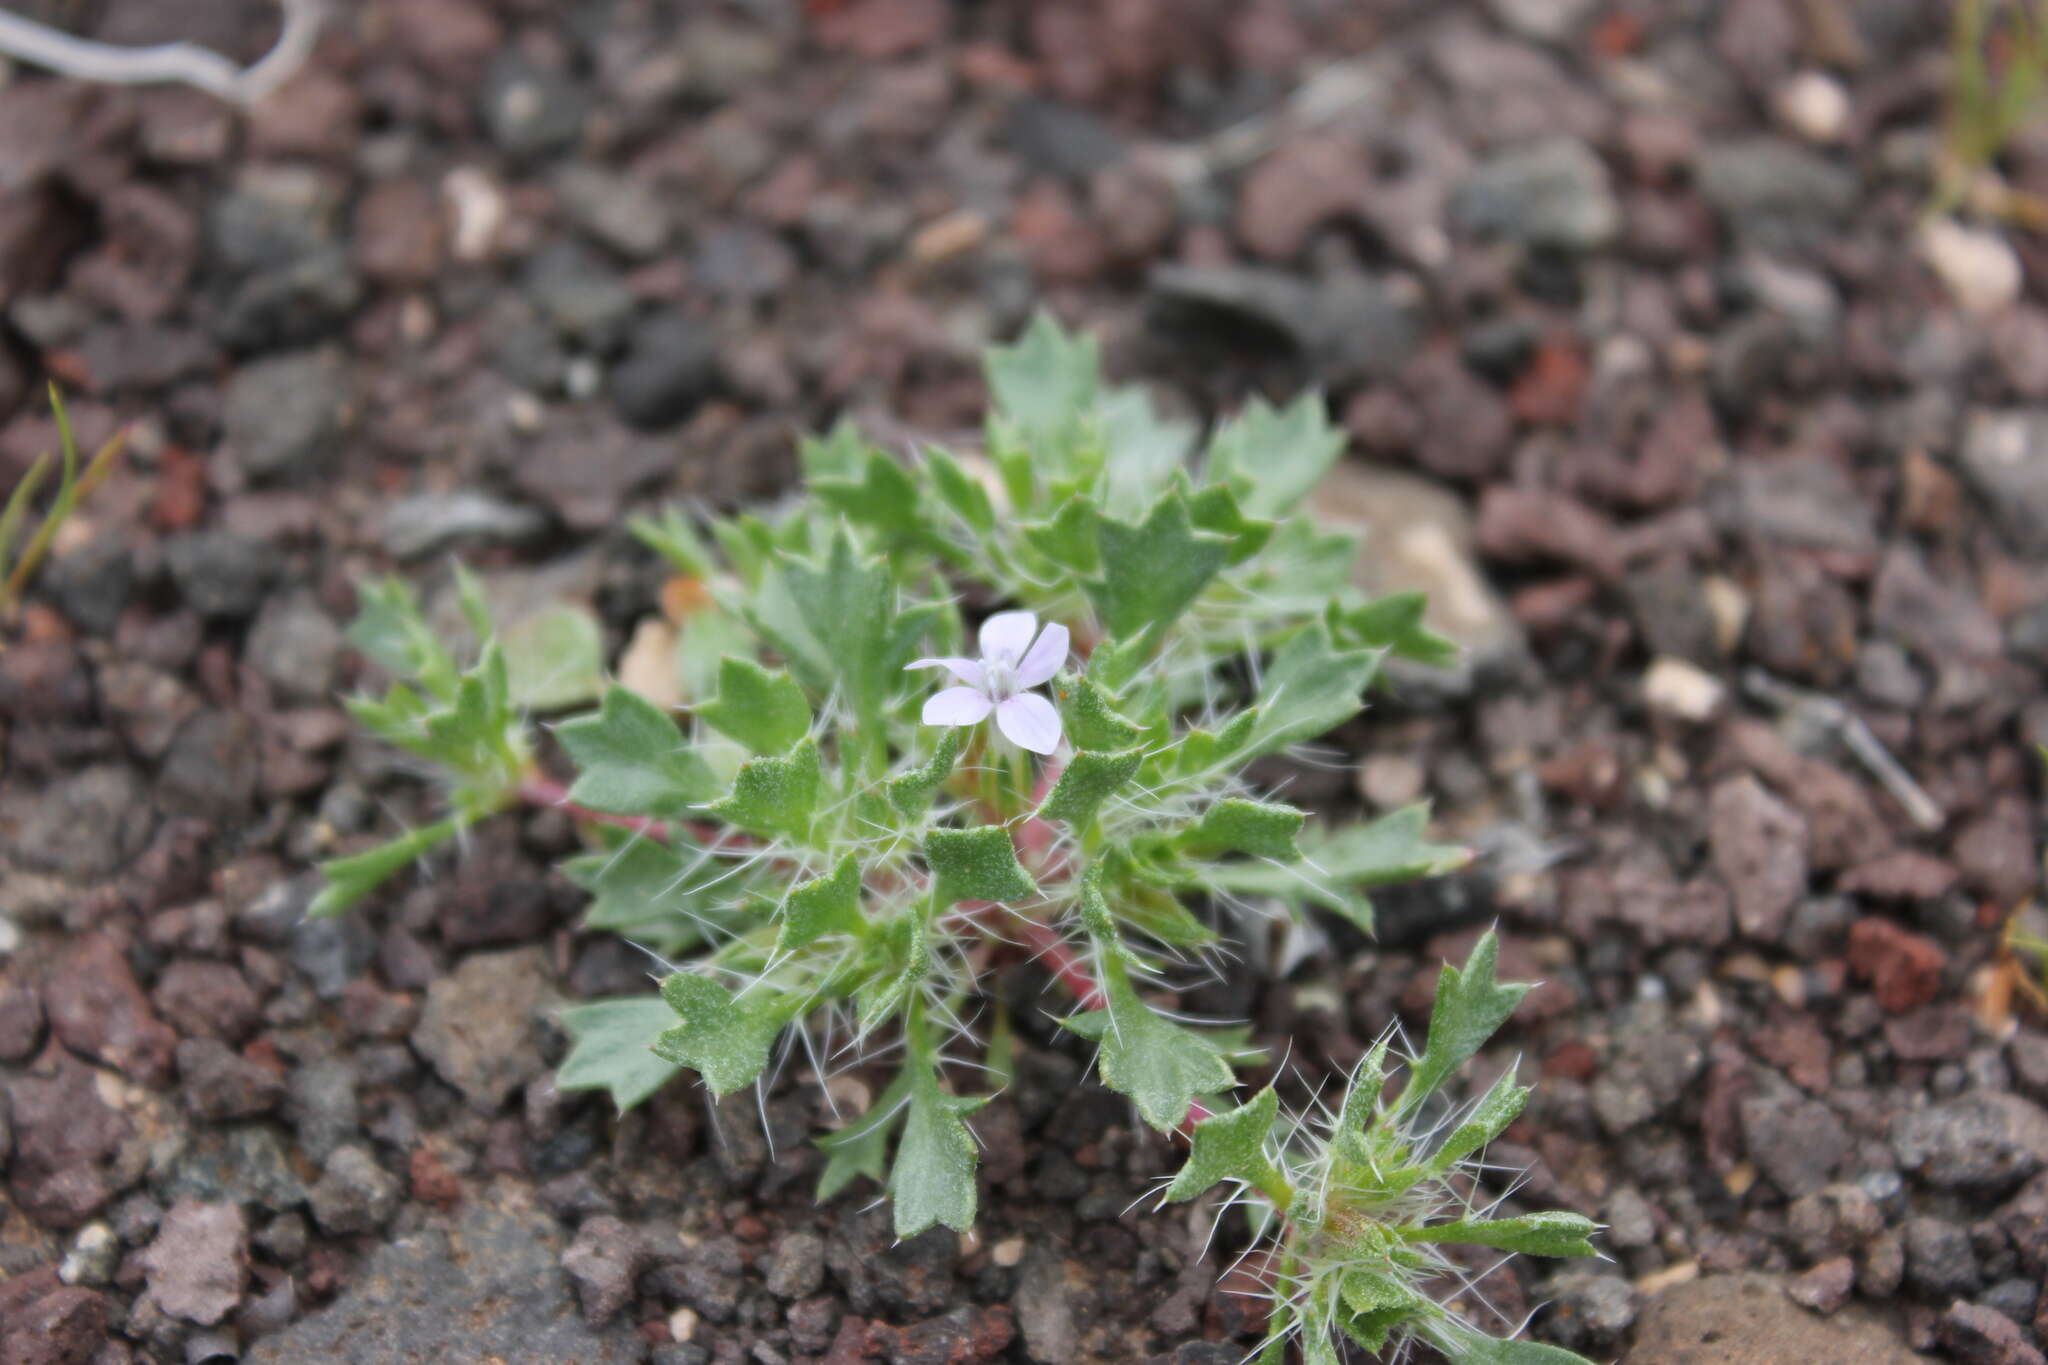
{"points": [[956, 706], [1031, 722], [968, 671], [1043, 659], [1006, 635]]}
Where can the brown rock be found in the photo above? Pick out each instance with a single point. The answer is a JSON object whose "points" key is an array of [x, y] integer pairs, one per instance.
{"points": [[199, 1261], [1843, 827], [1551, 389], [1520, 525], [65, 1136], [207, 1000], [1064, 248], [1466, 429], [1903, 968], [453, 38], [879, 29], [1933, 1033], [45, 1322], [96, 1008], [1306, 182], [314, 114], [1826, 1287], [1996, 853], [1902, 874], [217, 1083], [1749, 1320], [21, 1021], [1759, 848], [401, 232], [1977, 1335]]}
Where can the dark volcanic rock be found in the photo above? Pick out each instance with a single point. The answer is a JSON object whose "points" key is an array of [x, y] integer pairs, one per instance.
{"points": [[482, 1285], [97, 1009], [90, 824], [65, 1136], [479, 1025], [1982, 1141]]}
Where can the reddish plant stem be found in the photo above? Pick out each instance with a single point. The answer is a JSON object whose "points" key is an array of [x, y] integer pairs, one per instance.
{"points": [[537, 790]]}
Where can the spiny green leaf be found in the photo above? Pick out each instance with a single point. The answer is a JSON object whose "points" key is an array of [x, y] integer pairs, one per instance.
{"points": [[1309, 689], [775, 798], [1216, 509], [632, 759], [1373, 1291], [1068, 540], [1145, 449], [1394, 623], [1262, 829], [1476, 1349], [727, 1042], [898, 960], [674, 537], [1159, 1065], [977, 864], [611, 1048], [1090, 720], [932, 1181], [1338, 863], [848, 606], [652, 892], [1498, 1108], [391, 631], [1229, 1146], [861, 1148], [1375, 1303], [827, 905], [838, 454], [762, 710], [1556, 1233], [1470, 1007], [961, 491], [1202, 751], [554, 659], [886, 498], [1047, 379], [1362, 1095], [1153, 571], [1274, 458], [1116, 662], [1089, 780], [347, 880], [912, 793]]}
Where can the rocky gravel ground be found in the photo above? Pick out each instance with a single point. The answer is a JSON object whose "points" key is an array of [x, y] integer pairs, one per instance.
{"points": [[1729, 472]]}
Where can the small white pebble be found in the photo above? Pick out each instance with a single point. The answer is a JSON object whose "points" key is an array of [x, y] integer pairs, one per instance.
{"points": [[682, 1324], [1728, 604], [1982, 272], [10, 936], [93, 1256], [1815, 106], [1675, 687], [480, 211], [1007, 1252]]}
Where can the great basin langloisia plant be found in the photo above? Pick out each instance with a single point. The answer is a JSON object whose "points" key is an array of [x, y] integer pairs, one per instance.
{"points": [[864, 808]]}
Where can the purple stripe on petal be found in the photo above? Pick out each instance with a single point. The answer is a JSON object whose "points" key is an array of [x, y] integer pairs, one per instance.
{"points": [[958, 706], [1030, 722]]}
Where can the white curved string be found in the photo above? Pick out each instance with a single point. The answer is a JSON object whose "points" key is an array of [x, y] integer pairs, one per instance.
{"points": [[168, 63]]}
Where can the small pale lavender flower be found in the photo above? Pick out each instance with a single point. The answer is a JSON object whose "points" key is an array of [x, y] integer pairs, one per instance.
{"points": [[1010, 662]]}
